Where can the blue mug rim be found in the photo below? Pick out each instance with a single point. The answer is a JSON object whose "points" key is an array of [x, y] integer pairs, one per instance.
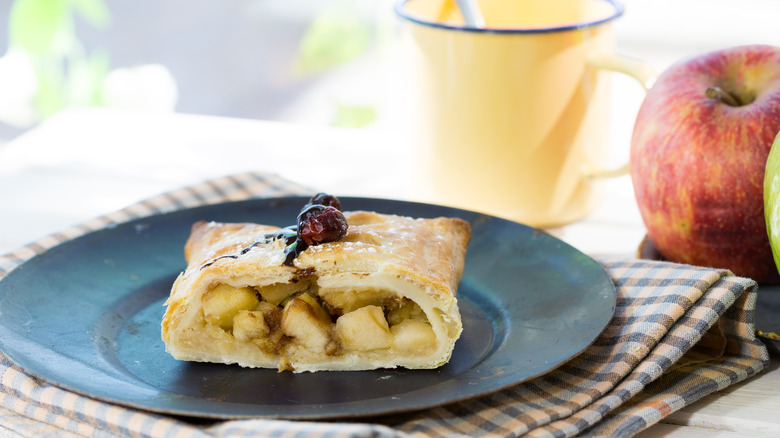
{"points": [[401, 11]]}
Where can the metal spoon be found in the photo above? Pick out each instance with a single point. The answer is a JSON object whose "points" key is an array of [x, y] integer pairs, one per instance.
{"points": [[471, 13]]}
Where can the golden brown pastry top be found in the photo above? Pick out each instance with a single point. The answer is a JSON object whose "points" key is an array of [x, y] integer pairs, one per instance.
{"points": [[430, 250]]}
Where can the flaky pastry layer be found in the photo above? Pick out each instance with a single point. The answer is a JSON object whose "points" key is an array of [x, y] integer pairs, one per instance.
{"points": [[381, 297]]}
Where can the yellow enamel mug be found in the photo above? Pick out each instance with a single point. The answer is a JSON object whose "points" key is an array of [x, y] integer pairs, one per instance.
{"points": [[512, 117]]}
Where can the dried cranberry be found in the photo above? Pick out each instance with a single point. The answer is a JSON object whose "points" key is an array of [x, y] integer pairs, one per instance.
{"points": [[326, 200], [319, 224]]}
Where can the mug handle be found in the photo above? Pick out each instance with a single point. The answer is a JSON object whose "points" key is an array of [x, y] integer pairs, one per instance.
{"points": [[637, 69]]}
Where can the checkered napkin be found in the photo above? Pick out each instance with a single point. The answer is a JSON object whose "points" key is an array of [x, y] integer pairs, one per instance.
{"points": [[678, 334]]}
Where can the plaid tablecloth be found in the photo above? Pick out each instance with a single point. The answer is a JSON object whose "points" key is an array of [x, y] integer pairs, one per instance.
{"points": [[678, 334]]}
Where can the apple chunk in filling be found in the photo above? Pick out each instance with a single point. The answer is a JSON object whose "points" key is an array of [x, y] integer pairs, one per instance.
{"points": [[277, 293], [308, 324], [364, 329], [401, 326], [258, 323], [222, 303], [413, 336], [344, 301], [250, 324], [259, 326]]}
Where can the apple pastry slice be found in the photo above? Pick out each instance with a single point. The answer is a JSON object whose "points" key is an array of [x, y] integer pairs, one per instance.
{"points": [[382, 296]]}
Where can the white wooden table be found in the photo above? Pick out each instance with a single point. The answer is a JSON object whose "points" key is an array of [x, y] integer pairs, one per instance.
{"points": [[84, 163]]}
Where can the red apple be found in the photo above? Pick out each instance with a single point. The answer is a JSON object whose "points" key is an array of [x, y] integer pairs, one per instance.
{"points": [[698, 154]]}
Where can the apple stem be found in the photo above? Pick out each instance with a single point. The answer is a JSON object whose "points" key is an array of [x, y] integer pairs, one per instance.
{"points": [[721, 95]]}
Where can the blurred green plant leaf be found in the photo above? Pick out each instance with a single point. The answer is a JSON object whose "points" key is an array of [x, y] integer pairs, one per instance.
{"points": [[94, 12], [334, 37], [354, 116], [49, 97], [34, 24], [84, 84], [64, 73]]}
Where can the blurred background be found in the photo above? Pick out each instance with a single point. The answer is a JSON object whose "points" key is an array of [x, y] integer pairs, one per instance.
{"points": [[326, 62]]}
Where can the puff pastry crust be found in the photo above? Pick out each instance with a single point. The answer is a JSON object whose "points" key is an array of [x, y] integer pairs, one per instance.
{"points": [[381, 297]]}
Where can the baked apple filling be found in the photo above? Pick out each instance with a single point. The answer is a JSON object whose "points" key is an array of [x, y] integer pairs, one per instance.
{"points": [[287, 317]]}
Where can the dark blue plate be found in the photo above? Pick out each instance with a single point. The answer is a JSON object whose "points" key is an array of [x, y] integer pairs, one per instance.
{"points": [[86, 315]]}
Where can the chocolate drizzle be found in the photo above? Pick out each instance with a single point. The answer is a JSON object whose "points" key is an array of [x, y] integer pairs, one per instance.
{"points": [[214, 260], [288, 233], [295, 244]]}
